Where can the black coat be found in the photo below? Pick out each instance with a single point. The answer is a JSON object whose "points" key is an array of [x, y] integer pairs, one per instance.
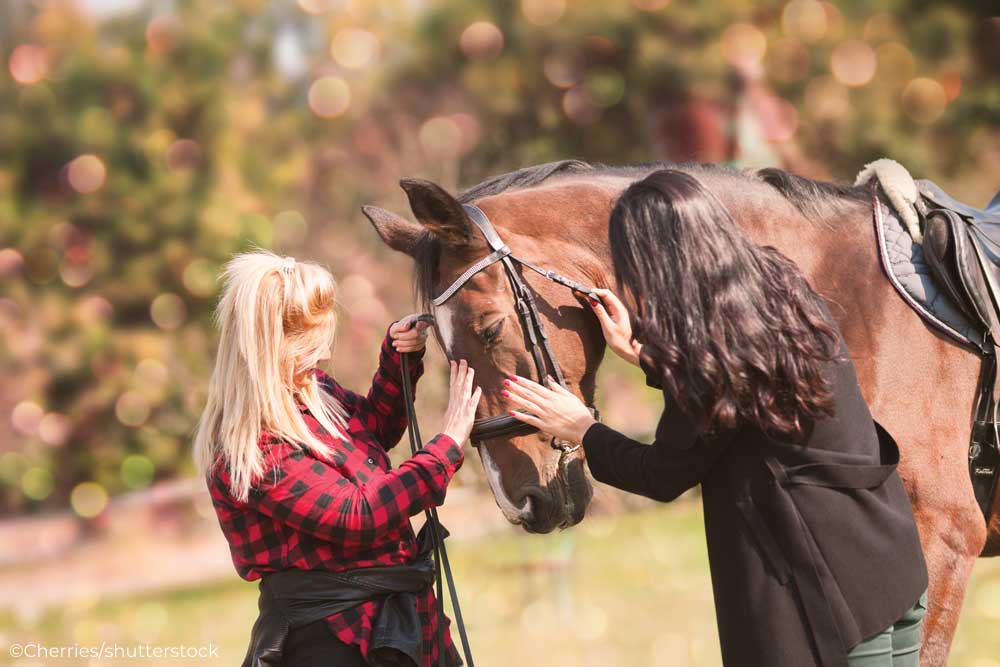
{"points": [[812, 548]]}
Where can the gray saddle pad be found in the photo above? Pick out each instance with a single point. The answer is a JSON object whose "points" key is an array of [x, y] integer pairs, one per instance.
{"points": [[903, 262]]}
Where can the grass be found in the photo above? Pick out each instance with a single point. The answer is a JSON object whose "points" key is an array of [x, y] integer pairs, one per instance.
{"points": [[627, 590]]}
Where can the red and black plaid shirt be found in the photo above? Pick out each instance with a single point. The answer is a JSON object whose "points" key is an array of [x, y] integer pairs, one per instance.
{"points": [[355, 511]]}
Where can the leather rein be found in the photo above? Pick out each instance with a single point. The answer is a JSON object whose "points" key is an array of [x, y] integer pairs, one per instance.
{"points": [[538, 342]]}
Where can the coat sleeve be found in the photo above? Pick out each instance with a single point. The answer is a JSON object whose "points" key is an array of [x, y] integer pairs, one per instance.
{"points": [[382, 409], [314, 497], [676, 461]]}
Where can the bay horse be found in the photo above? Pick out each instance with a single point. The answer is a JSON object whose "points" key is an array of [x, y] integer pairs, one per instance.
{"points": [[919, 384]]}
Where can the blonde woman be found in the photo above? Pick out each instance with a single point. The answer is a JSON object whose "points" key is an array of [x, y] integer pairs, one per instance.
{"points": [[299, 476]]}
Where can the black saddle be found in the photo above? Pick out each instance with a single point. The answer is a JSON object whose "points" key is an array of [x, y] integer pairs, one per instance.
{"points": [[931, 192], [962, 248]]}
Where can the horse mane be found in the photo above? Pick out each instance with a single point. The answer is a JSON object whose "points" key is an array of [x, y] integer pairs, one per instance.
{"points": [[812, 198], [525, 178]]}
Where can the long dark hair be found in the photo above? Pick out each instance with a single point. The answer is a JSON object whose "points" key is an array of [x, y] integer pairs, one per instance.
{"points": [[736, 333]]}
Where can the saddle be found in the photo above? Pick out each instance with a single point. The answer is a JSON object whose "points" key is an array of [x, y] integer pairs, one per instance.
{"points": [[962, 247]]}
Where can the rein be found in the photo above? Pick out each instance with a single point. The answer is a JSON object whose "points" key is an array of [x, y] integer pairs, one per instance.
{"points": [[437, 531], [538, 341]]}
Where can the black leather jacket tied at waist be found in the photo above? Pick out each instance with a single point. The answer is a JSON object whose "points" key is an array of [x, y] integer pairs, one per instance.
{"points": [[292, 598]]}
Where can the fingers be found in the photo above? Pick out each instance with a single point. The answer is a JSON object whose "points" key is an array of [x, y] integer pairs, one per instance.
{"points": [[526, 418], [409, 334], [551, 383], [402, 324], [467, 380], [604, 317], [525, 387], [612, 304], [524, 401], [453, 369]]}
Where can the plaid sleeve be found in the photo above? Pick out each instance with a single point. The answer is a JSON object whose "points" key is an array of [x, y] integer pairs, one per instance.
{"points": [[315, 498], [382, 410]]}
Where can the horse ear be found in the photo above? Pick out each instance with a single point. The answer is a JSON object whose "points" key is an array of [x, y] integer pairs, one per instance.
{"points": [[395, 231], [438, 211]]}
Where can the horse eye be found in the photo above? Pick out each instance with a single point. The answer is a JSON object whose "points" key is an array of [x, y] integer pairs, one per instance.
{"points": [[491, 334]]}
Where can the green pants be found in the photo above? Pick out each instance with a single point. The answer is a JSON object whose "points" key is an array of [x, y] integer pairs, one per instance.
{"points": [[896, 646]]}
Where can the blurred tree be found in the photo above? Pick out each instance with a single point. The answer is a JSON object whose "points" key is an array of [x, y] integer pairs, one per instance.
{"points": [[140, 148]]}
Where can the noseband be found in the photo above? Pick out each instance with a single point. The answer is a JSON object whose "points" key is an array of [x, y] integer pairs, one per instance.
{"points": [[538, 343]]}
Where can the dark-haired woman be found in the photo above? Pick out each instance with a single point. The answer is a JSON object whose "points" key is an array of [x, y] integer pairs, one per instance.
{"points": [[813, 547]]}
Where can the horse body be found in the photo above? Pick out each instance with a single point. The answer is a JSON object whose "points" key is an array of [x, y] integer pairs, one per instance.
{"points": [[920, 385]]}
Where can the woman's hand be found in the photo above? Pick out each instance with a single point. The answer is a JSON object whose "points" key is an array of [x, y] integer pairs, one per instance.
{"points": [[557, 411], [615, 324], [406, 337], [462, 402]]}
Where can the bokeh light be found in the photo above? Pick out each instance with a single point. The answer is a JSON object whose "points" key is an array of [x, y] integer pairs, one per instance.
{"points": [[26, 416], [579, 106], [168, 311], [561, 71], [137, 471], [92, 310], [543, 12], [183, 154], [75, 273], [590, 622], [468, 125], [151, 373], [86, 173], [924, 100], [11, 261], [132, 408], [743, 45], [896, 63], [329, 96], [881, 27], [853, 63], [88, 499], [54, 429], [481, 40], [805, 19], [200, 277], [37, 483], [28, 64], [440, 137], [354, 48]]}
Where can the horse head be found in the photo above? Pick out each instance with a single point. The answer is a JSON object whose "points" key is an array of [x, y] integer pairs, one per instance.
{"points": [[560, 225]]}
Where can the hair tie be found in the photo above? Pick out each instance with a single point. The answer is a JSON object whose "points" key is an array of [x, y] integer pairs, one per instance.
{"points": [[288, 265]]}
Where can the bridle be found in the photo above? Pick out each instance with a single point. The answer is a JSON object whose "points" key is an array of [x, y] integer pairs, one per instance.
{"points": [[538, 342]]}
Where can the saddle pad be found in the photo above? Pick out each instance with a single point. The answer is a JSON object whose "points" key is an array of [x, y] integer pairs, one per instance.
{"points": [[904, 264]]}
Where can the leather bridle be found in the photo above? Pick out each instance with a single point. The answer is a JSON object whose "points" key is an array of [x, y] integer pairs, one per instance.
{"points": [[538, 343]]}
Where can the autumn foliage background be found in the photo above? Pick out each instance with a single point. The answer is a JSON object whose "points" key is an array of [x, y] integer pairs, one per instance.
{"points": [[143, 143]]}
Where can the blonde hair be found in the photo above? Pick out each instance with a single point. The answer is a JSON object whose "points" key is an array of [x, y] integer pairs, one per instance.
{"points": [[277, 320]]}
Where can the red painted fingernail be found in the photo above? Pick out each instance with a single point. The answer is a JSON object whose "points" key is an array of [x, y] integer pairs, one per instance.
{"points": [[505, 393], [512, 378], [506, 383], [510, 412]]}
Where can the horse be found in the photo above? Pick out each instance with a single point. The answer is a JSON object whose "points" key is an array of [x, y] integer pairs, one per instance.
{"points": [[919, 384]]}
